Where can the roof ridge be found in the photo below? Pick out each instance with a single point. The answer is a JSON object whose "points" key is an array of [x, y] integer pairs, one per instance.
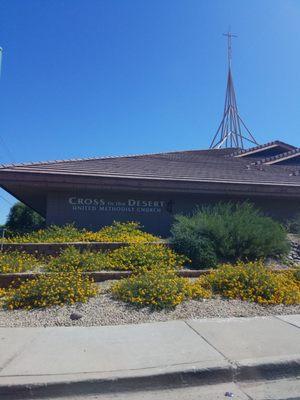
{"points": [[261, 146], [100, 158], [276, 157], [71, 160]]}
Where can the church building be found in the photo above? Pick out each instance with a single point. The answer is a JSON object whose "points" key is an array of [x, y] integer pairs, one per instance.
{"points": [[152, 188]]}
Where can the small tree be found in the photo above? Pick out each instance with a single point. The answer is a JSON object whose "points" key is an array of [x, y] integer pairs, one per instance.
{"points": [[23, 219]]}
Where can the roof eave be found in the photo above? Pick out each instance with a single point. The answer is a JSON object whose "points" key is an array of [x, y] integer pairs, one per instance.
{"points": [[122, 183]]}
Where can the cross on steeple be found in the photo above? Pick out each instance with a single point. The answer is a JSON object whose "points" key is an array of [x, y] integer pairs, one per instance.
{"points": [[229, 48]]}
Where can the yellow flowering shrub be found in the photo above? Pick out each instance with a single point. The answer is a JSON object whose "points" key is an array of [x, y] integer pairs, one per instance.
{"points": [[140, 257], [2, 292], [71, 259], [253, 282], [52, 234], [135, 257], [289, 288], [16, 261], [199, 289], [156, 288], [50, 290], [129, 232]]}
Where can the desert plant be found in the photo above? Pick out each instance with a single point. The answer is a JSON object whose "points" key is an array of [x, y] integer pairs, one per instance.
{"points": [[228, 232], [71, 259], [198, 290], [52, 234], [129, 232], [253, 282], [135, 257], [141, 257], [15, 261], [199, 248], [50, 290], [154, 287]]}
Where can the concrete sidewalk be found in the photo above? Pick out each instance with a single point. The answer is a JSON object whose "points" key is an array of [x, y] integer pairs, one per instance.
{"points": [[102, 359]]}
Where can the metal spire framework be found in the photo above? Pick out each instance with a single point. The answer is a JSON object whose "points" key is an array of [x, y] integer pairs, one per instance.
{"points": [[232, 131]]}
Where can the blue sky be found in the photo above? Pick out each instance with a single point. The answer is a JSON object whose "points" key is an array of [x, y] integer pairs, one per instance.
{"points": [[84, 78]]}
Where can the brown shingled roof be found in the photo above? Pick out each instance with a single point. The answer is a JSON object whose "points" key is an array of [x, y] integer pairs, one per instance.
{"points": [[194, 165]]}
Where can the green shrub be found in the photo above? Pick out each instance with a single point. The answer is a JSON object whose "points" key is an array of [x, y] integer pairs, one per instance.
{"points": [[156, 288], [71, 259], [253, 282], [187, 241], [228, 232], [50, 290], [15, 261], [140, 257]]}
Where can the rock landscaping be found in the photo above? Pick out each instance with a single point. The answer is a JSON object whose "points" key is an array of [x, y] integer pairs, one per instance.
{"points": [[154, 280], [294, 254], [104, 310]]}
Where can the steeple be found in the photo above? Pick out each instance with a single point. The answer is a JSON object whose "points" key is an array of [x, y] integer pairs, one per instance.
{"points": [[232, 132]]}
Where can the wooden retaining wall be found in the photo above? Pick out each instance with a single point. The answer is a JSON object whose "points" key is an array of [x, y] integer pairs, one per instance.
{"points": [[16, 279], [52, 249]]}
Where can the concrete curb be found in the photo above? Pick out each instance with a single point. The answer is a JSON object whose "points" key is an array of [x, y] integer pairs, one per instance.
{"points": [[84, 384], [269, 370], [186, 376]]}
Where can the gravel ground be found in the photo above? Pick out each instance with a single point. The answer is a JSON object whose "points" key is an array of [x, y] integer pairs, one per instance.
{"points": [[103, 310]]}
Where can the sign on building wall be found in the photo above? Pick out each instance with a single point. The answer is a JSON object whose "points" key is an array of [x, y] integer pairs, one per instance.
{"points": [[154, 211], [129, 205], [93, 210]]}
